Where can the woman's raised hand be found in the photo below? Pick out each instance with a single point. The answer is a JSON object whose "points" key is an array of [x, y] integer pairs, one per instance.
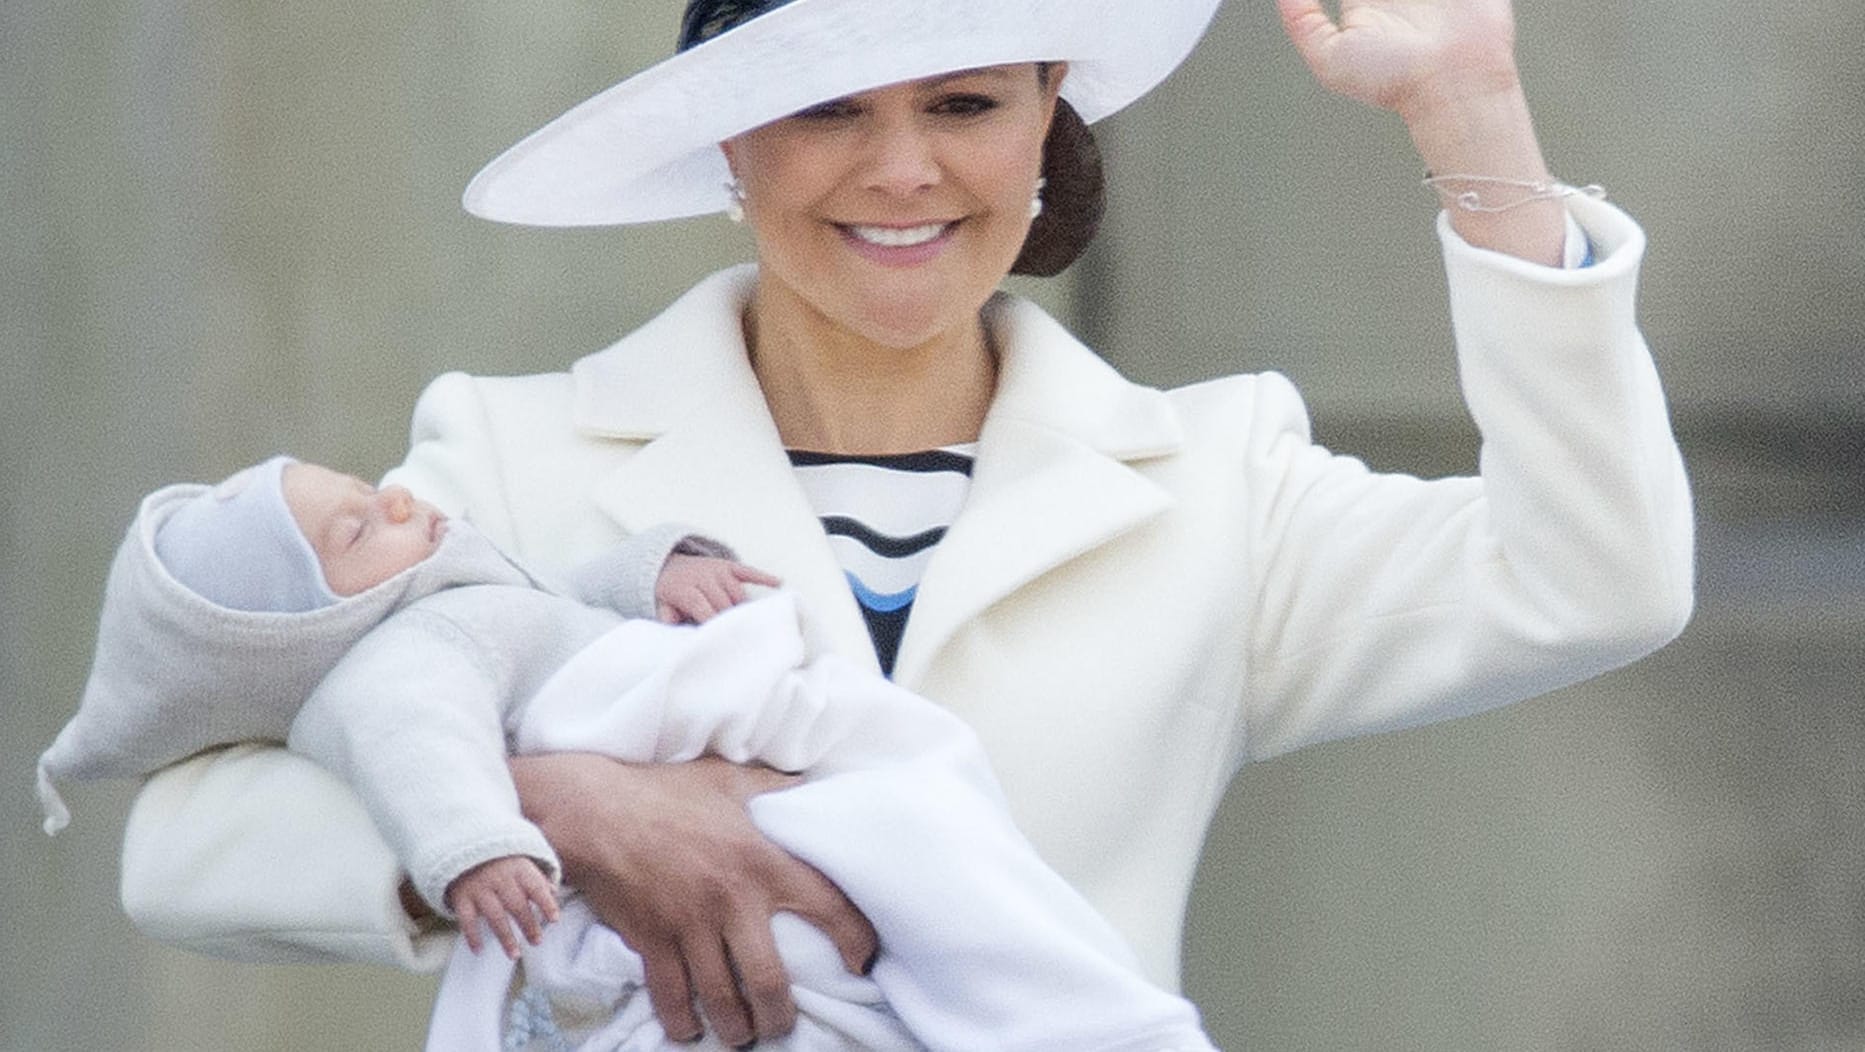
{"points": [[668, 857], [1401, 55], [1448, 68]]}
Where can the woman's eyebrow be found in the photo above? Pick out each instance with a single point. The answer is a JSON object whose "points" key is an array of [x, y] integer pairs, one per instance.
{"points": [[995, 72]]}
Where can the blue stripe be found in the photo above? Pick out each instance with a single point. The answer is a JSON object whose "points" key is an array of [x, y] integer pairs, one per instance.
{"points": [[876, 601]]}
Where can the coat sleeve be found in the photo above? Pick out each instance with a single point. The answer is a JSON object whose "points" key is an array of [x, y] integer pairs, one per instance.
{"points": [[256, 853], [1384, 601]]}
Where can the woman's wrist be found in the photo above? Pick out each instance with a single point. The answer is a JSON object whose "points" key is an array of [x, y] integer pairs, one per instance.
{"points": [[558, 793], [1481, 126]]}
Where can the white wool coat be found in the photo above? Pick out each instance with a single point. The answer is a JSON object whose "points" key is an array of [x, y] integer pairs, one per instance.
{"points": [[1144, 590]]}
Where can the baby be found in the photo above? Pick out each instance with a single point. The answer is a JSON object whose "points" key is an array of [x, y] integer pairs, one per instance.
{"points": [[359, 536], [407, 655]]}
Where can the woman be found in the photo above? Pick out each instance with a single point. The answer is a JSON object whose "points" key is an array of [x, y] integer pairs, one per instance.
{"points": [[1141, 591]]}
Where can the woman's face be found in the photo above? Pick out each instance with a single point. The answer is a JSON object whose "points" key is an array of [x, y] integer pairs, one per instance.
{"points": [[894, 214]]}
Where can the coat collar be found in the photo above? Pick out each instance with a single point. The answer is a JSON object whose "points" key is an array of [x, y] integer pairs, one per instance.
{"points": [[1052, 479]]}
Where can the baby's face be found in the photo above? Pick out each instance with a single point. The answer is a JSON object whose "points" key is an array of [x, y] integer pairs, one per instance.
{"points": [[362, 536]]}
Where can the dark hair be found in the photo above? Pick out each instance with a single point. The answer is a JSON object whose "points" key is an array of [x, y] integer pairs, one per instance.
{"points": [[1074, 193], [705, 19], [1074, 197]]}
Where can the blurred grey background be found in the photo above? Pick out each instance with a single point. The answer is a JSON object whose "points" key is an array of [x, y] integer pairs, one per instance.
{"points": [[229, 229]]}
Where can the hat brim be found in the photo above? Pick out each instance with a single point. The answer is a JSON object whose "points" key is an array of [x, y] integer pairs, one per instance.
{"points": [[646, 149]]}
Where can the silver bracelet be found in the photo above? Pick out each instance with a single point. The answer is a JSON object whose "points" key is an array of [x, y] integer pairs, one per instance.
{"points": [[1471, 201]]}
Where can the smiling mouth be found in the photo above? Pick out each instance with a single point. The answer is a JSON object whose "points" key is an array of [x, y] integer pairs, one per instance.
{"points": [[898, 236]]}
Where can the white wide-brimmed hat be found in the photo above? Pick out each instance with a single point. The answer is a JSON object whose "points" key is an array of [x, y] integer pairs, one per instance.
{"points": [[647, 148]]}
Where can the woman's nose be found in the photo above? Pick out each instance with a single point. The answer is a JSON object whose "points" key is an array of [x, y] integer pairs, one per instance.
{"points": [[904, 160], [396, 502]]}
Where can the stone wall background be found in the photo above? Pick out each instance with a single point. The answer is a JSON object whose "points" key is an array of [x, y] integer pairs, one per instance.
{"points": [[232, 229]]}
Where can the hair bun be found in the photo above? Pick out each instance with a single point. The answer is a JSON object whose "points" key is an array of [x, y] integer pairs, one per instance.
{"points": [[1074, 197]]}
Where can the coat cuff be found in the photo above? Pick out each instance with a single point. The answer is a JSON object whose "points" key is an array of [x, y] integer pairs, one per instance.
{"points": [[253, 853]]}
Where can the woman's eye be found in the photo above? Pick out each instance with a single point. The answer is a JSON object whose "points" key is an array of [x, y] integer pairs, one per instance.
{"points": [[965, 105], [834, 109]]}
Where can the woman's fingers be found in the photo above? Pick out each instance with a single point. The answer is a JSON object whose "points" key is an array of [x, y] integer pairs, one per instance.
{"points": [[669, 991], [751, 950], [800, 888], [1309, 26], [1405, 55], [716, 985], [816, 899], [668, 857]]}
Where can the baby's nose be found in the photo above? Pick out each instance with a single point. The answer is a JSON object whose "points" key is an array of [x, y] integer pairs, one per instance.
{"points": [[397, 504]]}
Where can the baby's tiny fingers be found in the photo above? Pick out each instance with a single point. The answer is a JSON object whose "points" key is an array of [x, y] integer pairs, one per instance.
{"points": [[543, 896], [527, 918], [753, 575], [468, 918], [500, 923]]}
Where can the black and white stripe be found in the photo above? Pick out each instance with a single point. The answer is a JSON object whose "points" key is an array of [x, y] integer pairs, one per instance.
{"points": [[884, 515]]}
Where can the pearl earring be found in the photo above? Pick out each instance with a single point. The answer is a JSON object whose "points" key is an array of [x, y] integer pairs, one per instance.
{"points": [[735, 211], [1036, 199]]}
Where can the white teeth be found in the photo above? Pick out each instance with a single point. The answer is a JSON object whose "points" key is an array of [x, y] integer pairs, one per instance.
{"points": [[898, 237]]}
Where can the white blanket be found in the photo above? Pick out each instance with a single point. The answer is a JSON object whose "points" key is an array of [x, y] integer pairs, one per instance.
{"points": [[983, 946]]}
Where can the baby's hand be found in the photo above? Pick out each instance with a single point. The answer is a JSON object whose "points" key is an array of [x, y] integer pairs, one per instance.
{"points": [[692, 588], [499, 892]]}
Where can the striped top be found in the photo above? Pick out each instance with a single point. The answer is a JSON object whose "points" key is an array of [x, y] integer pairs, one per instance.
{"points": [[884, 515]]}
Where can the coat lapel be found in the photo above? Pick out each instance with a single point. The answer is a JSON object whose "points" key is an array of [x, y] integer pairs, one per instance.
{"points": [[1051, 481], [706, 453]]}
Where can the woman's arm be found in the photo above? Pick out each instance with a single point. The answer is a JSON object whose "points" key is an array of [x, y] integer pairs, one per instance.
{"points": [[257, 854], [1447, 67], [1383, 601]]}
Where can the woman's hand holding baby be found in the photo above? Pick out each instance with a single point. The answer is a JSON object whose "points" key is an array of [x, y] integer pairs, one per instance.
{"points": [[693, 588], [505, 891]]}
